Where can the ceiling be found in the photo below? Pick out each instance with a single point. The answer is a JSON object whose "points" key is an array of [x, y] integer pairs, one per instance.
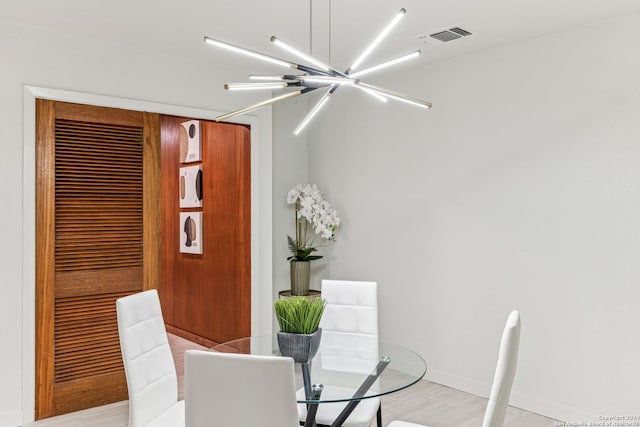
{"points": [[178, 27]]}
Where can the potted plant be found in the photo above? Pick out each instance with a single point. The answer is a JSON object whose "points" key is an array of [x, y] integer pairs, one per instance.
{"points": [[300, 332], [315, 219]]}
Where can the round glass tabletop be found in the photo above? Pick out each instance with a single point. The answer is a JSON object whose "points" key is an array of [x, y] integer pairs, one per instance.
{"points": [[346, 367]]}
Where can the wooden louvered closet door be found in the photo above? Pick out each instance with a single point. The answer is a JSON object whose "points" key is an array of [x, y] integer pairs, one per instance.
{"points": [[97, 239]]}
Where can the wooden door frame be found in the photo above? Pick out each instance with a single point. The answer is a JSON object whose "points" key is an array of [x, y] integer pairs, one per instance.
{"points": [[261, 213]]}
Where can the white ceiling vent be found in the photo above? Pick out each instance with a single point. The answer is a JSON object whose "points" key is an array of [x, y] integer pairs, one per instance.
{"points": [[452, 33]]}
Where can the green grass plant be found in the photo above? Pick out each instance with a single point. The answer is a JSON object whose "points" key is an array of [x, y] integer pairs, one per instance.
{"points": [[299, 315]]}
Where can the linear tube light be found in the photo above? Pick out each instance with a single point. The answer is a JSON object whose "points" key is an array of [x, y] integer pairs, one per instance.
{"points": [[255, 86], [265, 78], [258, 105], [373, 93], [398, 96], [249, 52], [386, 64], [398, 16], [301, 54], [329, 80], [313, 112]]}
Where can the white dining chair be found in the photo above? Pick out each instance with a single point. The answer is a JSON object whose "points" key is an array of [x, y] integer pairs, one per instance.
{"points": [[239, 390], [502, 380], [148, 363], [350, 319]]}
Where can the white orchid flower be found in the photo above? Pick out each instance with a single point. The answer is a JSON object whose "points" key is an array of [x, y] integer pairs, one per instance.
{"points": [[314, 210]]}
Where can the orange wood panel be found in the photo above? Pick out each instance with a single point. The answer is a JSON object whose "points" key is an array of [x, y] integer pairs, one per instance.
{"points": [[209, 295], [169, 202], [152, 195], [95, 114], [80, 283], [73, 394]]}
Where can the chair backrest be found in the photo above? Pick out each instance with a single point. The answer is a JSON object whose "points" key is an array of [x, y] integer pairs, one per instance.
{"points": [[148, 362], [505, 372], [349, 345], [352, 307], [240, 390]]}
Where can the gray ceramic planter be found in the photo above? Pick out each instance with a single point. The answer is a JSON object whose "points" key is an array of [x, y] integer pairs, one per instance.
{"points": [[300, 347]]}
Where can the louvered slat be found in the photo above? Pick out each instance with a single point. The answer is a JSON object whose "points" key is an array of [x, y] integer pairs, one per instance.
{"points": [[98, 225], [86, 335], [99, 217]]}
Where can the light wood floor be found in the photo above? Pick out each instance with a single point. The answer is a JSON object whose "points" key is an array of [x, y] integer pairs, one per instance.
{"points": [[425, 403]]}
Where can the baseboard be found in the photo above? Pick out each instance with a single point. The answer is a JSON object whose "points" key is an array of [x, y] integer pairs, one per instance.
{"points": [[191, 336], [11, 419], [554, 410]]}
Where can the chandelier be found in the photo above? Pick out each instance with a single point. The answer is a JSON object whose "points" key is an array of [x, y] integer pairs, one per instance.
{"points": [[316, 75]]}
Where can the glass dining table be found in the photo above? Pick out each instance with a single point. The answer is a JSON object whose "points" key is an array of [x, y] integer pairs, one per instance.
{"points": [[347, 368]]}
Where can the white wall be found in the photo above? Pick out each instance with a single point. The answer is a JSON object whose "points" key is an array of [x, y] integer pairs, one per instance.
{"points": [[48, 59], [518, 190], [290, 165], [290, 168]]}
